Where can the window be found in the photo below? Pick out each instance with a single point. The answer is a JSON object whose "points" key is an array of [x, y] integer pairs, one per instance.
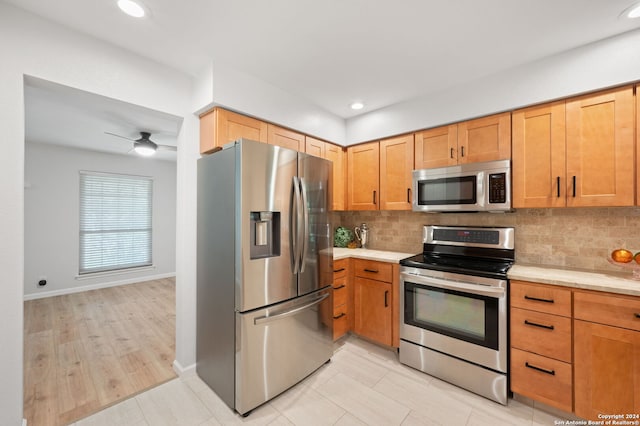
{"points": [[115, 222]]}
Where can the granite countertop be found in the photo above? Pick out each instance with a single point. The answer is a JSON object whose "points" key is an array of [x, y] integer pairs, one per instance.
{"points": [[614, 282], [368, 254]]}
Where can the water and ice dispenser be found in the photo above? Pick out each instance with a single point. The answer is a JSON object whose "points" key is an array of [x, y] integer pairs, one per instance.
{"points": [[265, 234]]}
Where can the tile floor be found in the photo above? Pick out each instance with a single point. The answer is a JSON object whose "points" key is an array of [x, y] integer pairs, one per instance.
{"points": [[362, 385]]}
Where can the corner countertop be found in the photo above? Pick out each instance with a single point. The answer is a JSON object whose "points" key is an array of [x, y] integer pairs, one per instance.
{"points": [[614, 282], [368, 254]]}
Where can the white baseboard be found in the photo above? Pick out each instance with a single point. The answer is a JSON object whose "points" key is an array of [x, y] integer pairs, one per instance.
{"points": [[24, 422], [96, 286], [183, 371]]}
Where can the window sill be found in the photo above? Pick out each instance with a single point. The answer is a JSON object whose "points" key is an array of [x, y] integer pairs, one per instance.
{"points": [[111, 273]]}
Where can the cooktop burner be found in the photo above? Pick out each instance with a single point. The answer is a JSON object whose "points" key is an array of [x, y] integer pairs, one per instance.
{"points": [[486, 252]]}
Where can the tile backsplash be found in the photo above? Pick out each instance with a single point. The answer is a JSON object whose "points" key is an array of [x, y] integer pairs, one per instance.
{"points": [[570, 237]]}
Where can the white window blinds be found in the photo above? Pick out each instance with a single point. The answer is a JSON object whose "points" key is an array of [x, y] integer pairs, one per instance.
{"points": [[115, 221]]}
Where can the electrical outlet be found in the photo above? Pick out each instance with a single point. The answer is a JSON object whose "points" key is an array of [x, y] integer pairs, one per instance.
{"points": [[42, 281]]}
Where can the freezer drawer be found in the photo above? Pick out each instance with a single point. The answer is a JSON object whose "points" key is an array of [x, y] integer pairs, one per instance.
{"points": [[281, 345]]}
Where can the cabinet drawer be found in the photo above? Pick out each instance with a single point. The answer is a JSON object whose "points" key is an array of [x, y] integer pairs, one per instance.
{"points": [[541, 333], [339, 293], [605, 308], [380, 271], [541, 378], [340, 323], [541, 298], [340, 268]]}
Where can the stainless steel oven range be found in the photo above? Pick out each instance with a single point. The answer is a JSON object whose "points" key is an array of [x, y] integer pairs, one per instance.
{"points": [[453, 302]]}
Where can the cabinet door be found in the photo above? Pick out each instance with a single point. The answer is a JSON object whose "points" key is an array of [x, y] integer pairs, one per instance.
{"points": [[539, 156], [373, 310], [285, 138], [364, 171], [208, 132], [396, 165], [606, 370], [336, 155], [314, 147], [231, 126], [485, 139], [600, 149], [436, 147]]}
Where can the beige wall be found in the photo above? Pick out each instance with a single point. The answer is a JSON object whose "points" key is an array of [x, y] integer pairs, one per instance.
{"points": [[578, 238]]}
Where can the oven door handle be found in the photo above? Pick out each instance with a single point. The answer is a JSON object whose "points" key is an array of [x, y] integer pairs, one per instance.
{"points": [[482, 290]]}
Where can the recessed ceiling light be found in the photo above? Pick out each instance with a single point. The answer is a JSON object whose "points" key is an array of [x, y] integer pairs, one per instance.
{"points": [[634, 12], [131, 8], [357, 105]]}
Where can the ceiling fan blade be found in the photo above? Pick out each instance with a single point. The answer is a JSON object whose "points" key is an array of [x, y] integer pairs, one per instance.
{"points": [[167, 148], [119, 136]]}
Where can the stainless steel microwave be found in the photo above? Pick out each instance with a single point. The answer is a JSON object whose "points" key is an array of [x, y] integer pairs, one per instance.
{"points": [[472, 187]]}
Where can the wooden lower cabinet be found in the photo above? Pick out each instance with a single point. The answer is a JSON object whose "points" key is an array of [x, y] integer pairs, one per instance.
{"points": [[607, 370], [576, 350], [373, 310], [607, 354], [541, 378], [541, 351], [376, 301], [341, 311]]}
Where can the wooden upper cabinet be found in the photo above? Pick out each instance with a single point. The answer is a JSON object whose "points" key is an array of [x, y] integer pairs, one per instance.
{"points": [[363, 190], [285, 138], [436, 147], [485, 139], [396, 165], [314, 147], [219, 127], [538, 156], [336, 154], [600, 149]]}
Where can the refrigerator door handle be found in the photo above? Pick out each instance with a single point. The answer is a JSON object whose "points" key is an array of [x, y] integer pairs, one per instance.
{"points": [[294, 224], [279, 316], [305, 231]]}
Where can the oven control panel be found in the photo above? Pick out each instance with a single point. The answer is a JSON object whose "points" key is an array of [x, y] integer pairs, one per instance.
{"points": [[482, 236], [490, 237]]}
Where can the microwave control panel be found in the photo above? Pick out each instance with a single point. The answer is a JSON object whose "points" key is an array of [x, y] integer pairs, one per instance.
{"points": [[497, 188]]}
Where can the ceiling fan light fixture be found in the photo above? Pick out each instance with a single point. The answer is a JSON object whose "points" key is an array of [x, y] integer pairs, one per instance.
{"points": [[634, 11], [144, 149], [131, 8]]}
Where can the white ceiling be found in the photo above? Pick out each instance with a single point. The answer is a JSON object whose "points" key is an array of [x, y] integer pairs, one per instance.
{"points": [[333, 52], [62, 115]]}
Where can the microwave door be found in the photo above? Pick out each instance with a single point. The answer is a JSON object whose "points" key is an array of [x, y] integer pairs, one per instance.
{"points": [[454, 193]]}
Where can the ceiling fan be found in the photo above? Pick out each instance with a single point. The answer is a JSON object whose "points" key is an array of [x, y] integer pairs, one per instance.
{"points": [[144, 145]]}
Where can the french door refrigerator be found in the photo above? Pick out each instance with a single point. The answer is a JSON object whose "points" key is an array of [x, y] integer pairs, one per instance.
{"points": [[264, 301]]}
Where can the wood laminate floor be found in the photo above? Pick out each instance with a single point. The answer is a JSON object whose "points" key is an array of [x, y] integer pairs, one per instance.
{"points": [[86, 351]]}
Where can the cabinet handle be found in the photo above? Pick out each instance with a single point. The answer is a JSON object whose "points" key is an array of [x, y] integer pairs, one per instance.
{"points": [[339, 287], [637, 315], [374, 197], [537, 299], [548, 327], [574, 186], [338, 270], [543, 370], [375, 271], [462, 151], [408, 195], [451, 153], [340, 316], [558, 185], [386, 296]]}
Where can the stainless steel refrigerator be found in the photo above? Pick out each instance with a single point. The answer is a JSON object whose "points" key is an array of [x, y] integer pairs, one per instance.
{"points": [[264, 301]]}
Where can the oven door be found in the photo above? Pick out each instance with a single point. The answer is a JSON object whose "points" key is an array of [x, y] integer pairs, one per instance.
{"points": [[459, 315]]}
